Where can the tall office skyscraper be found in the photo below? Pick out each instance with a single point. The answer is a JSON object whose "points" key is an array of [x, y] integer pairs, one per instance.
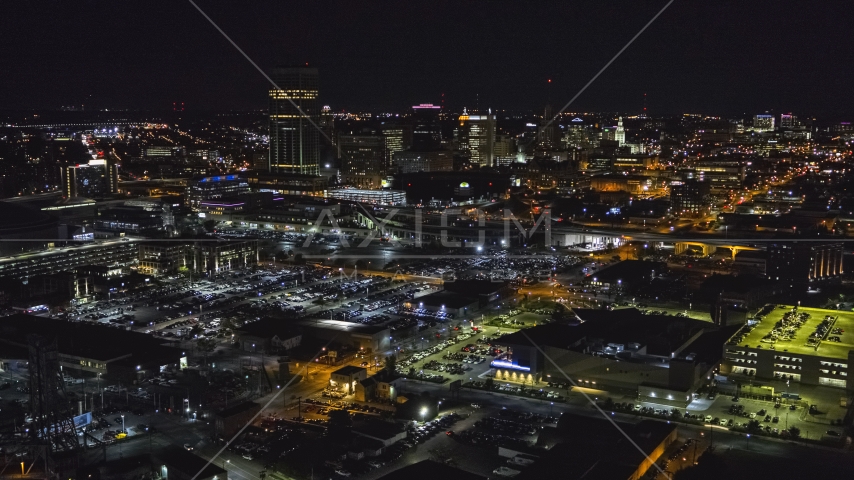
{"points": [[426, 129], [294, 141], [397, 139], [362, 159], [763, 123], [477, 136], [97, 179], [787, 120], [327, 123], [548, 134]]}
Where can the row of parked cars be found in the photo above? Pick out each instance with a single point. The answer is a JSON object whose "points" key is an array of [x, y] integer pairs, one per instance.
{"points": [[423, 312], [418, 356], [420, 434], [460, 357], [489, 439], [452, 368], [677, 453], [505, 425]]}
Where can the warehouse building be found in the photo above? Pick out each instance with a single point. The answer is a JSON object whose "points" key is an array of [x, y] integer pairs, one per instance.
{"points": [[664, 358], [90, 350]]}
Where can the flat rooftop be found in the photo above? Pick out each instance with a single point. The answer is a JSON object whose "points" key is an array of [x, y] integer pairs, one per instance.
{"points": [[475, 287], [377, 429], [86, 340], [628, 271], [69, 250], [798, 344], [239, 408], [188, 463], [341, 326], [577, 454], [430, 469], [661, 334], [268, 327], [446, 299]]}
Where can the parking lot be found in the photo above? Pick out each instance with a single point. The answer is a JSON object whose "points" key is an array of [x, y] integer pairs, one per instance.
{"points": [[432, 349]]}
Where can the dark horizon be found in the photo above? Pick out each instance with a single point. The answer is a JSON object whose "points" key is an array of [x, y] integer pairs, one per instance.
{"points": [[722, 59]]}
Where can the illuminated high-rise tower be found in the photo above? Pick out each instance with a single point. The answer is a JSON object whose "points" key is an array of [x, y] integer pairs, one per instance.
{"points": [[620, 133], [294, 120], [477, 137], [763, 123]]}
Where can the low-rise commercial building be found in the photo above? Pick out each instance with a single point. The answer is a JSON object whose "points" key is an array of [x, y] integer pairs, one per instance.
{"points": [[664, 358], [232, 419], [19, 224], [268, 335], [633, 184], [161, 258], [430, 469], [382, 386], [213, 187], [346, 378], [288, 183], [61, 285], [216, 257], [462, 297], [176, 463], [130, 219], [169, 463], [605, 455], [445, 301], [384, 432], [634, 162], [91, 350], [626, 275], [365, 338], [243, 203], [751, 261], [732, 297], [799, 263]]}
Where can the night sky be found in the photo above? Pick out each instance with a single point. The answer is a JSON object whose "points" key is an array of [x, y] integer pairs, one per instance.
{"points": [[722, 57]]}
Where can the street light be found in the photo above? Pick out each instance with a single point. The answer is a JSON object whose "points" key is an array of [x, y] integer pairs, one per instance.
{"points": [[123, 424]]}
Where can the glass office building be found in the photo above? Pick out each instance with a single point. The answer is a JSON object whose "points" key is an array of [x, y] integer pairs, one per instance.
{"points": [[294, 119]]}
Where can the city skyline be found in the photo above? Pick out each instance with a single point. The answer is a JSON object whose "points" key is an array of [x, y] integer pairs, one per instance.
{"points": [[394, 240], [715, 60]]}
